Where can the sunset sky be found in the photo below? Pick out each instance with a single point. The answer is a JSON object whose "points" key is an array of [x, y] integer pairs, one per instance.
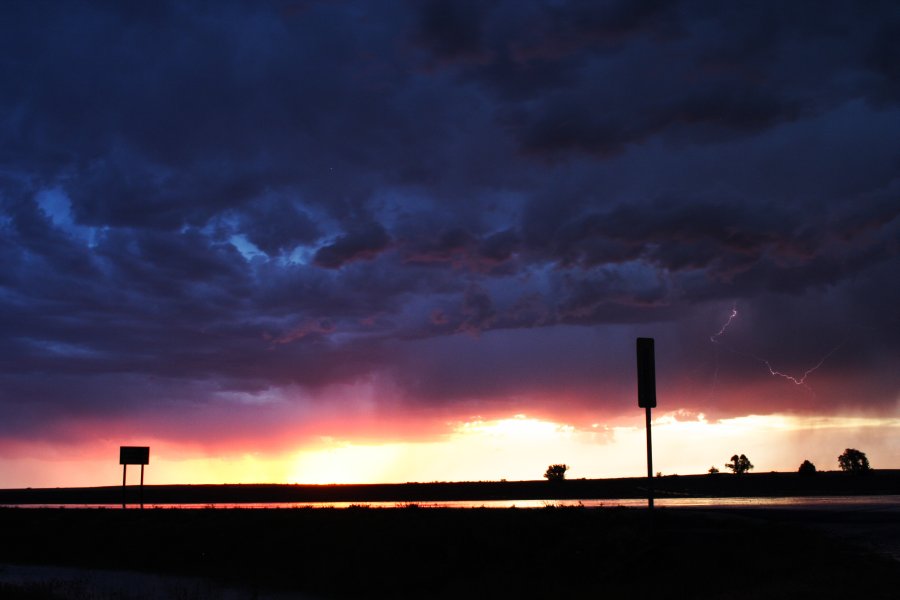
{"points": [[327, 241]]}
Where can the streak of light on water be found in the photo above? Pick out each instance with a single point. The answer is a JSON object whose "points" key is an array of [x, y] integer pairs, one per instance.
{"points": [[799, 502]]}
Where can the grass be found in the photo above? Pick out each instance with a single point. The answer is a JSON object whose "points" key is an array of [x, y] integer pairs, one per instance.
{"points": [[877, 482]]}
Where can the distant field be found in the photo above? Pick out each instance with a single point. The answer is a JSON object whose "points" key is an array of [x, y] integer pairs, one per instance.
{"points": [[723, 485], [469, 553]]}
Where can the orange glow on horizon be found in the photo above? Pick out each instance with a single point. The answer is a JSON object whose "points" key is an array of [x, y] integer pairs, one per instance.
{"points": [[518, 447]]}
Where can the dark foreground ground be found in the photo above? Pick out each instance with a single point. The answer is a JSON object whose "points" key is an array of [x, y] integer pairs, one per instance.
{"points": [[831, 483], [464, 553]]}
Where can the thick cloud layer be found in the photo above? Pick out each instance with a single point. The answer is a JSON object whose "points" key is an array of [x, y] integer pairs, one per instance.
{"points": [[458, 206]]}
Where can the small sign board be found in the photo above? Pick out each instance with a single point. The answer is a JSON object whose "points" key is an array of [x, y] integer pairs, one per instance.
{"points": [[646, 367], [134, 455]]}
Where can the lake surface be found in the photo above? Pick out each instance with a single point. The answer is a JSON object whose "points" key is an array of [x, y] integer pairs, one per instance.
{"points": [[889, 502]]}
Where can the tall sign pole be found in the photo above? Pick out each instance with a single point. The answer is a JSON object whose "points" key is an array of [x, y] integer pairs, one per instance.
{"points": [[646, 370]]}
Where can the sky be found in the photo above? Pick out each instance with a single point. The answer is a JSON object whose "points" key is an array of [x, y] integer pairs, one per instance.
{"points": [[363, 241]]}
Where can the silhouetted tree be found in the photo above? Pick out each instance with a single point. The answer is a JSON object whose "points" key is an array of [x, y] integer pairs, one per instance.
{"points": [[556, 472], [739, 464], [713, 471], [853, 460], [807, 468]]}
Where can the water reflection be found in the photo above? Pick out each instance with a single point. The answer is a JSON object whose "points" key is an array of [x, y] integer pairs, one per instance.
{"points": [[806, 502]]}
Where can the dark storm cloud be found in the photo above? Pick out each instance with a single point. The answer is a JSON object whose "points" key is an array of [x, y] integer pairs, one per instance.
{"points": [[438, 247], [237, 198], [624, 232], [278, 226], [597, 76], [453, 30], [570, 124], [364, 241], [477, 310], [500, 246]]}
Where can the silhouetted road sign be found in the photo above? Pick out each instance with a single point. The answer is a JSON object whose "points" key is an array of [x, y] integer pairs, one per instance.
{"points": [[134, 455], [646, 366]]}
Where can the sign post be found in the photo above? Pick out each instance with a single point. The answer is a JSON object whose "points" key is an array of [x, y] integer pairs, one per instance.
{"points": [[646, 370], [133, 455]]}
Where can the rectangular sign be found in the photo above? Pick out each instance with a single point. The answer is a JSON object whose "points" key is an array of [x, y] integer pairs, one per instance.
{"points": [[646, 369], [134, 455]]}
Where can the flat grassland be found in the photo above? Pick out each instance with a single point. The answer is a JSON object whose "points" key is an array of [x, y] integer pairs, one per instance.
{"points": [[413, 552], [828, 483]]}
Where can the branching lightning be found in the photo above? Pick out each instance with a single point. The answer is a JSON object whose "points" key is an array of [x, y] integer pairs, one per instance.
{"points": [[801, 381]]}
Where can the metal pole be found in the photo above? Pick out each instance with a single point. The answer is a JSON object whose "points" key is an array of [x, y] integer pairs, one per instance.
{"points": [[142, 487], [124, 467], [649, 464]]}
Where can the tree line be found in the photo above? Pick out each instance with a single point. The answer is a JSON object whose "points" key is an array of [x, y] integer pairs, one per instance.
{"points": [[851, 460]]}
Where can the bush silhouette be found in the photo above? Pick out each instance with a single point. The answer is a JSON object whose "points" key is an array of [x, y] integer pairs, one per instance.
{"points": [[807, 468], [739, 464], [854, 461], [556, 472]]}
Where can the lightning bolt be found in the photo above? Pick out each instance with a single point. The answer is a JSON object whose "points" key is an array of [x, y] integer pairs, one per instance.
{"points": [[734, 313], [715, 340], [801, 381]]}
